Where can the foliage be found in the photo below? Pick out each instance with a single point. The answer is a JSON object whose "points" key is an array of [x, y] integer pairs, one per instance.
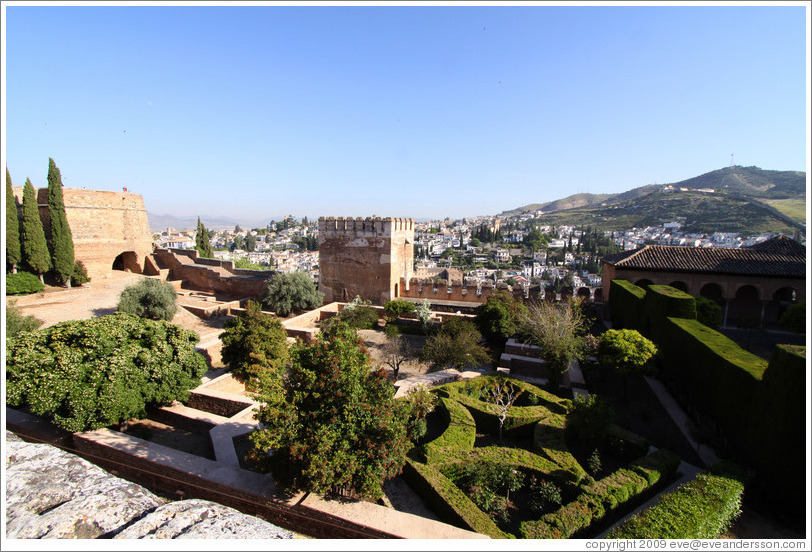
{"points": [[358, 314], [626, 350], [545, 495], [88, 374], [18, 323], [502, 394], [455, 346], [149, 298], [244, 263], [589, 421], [254, 343], [794, 318], [703, 508], [499, 317], [332, 423], [203, 241], [23, 283], [557, 329], [61, 240], [423, 313], [14, 252], [421, 403], [397, 307], [708, 312], [35, 248], [489, 484], [79, 275], [285, 293]]}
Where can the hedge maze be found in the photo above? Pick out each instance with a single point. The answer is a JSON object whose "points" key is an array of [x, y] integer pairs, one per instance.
{"points": [[587, 505]]}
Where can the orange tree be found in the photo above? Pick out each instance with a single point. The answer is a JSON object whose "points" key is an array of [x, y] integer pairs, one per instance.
{"points": [[332, 422]]}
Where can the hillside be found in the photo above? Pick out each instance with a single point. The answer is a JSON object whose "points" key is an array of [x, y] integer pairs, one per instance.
{"points": [[701, 213], [746, 199]]}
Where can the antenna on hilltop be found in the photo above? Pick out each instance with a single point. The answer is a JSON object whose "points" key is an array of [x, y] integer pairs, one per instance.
{"points": [[731, 160]]}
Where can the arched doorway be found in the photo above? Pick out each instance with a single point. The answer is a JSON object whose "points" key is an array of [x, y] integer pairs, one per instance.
{"points": [[713, 292], [782, 298], [584, 293], [128, 262], [682, 286], [599, 294], [643, 283], [745, 308]]}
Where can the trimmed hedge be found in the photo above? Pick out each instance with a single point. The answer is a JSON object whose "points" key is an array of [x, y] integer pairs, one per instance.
{"points": [[720, 378], [626, 305], [22, 283], [603, 496], [515, 457], [624, 444], [460, 432], [448, 501], [664, 301], [549, 440], [700, 509]]}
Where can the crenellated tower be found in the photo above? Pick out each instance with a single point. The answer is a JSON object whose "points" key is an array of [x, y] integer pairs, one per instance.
{"points": [[365, 257]]}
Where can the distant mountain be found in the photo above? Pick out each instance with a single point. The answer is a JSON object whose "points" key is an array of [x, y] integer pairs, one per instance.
{"points": [[159, 223], [751, 182], [744, 199]]}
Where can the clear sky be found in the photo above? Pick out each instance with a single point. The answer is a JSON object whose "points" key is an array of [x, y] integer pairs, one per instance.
{"points": [[422, 111]]}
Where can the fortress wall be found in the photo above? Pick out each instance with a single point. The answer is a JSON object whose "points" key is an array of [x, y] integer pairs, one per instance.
{"points": [[453, 292], [104, 225]]}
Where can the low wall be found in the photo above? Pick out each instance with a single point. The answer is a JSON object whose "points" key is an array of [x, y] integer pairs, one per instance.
{"points": [[211, 275], [453, 292]]}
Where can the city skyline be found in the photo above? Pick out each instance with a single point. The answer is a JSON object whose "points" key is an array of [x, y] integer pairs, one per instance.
{"points": [[429, 111]]}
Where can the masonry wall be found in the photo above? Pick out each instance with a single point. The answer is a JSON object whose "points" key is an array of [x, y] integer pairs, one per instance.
{"points": [[104, 225], [211, 275], [364, 257]]}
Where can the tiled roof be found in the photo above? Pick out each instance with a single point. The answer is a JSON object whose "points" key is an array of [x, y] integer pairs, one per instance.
{"points": [[777, 259]]}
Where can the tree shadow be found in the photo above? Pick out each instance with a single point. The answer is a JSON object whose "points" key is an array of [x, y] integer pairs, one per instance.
{"points": [[103, 311]]}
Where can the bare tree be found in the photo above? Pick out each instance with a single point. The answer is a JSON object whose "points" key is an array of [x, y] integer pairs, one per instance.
{"points": [[503, 395], [395, 352]]}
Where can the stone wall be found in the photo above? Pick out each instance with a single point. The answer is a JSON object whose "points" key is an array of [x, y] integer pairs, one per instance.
{"points": [[453, 292], [364, 257], [211, 275], [104, 225]]}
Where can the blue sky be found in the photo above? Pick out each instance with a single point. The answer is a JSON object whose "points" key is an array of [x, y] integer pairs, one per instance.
{"points": [[426, 111]]}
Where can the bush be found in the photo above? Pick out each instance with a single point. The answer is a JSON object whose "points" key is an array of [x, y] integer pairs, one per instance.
{"points": [[285, 293], [499, 317], [794, 318], [358, 314], [254, 343], [708, 312], [22, 283], [398, 307], [88, 374], [545, 496], [700, 509], [149, 298], [79, 275], [588, 422], [455, 346], [17, 323]]}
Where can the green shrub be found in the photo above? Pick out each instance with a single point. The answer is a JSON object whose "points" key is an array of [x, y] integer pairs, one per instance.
{"points": [[545, 496], [398, 307], [88, 374], [624, 444], [664, 301], [700, 509], [460, 431], [626, 305], [286, 293], [588, 422], [79, 275], [254, 343], [794, 318], [22, 283], [17, 323], [708, 312], [149, 298]]}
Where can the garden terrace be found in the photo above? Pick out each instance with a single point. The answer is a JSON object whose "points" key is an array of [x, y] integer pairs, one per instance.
{"points": [[534, 449]]}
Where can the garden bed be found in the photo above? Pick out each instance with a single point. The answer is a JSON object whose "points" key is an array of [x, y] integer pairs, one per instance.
{"points": [[168, 436]]}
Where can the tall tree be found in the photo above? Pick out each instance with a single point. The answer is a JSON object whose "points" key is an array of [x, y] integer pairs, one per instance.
{"points": [[61, 242], [35, 248], [14, 252], [202, 242]]}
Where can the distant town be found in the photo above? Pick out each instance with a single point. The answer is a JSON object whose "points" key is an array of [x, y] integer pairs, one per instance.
{"points": [[486, 249]]}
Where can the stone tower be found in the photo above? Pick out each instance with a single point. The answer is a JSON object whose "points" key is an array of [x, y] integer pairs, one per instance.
{"points": [[365, 257]]}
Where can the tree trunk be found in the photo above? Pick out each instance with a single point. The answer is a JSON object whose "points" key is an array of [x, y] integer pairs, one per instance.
{"points": [[41, 279]]}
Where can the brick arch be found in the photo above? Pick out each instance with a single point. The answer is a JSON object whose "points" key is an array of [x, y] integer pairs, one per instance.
{"points": [[746, 304], [127, 261], [584, 292], [643, 283], [680, 285], [782, 298]]}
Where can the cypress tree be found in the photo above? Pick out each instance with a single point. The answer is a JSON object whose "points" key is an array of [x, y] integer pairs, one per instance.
{"points": [[35, 248], [61, 242], [202, 243], [14, 252]]}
